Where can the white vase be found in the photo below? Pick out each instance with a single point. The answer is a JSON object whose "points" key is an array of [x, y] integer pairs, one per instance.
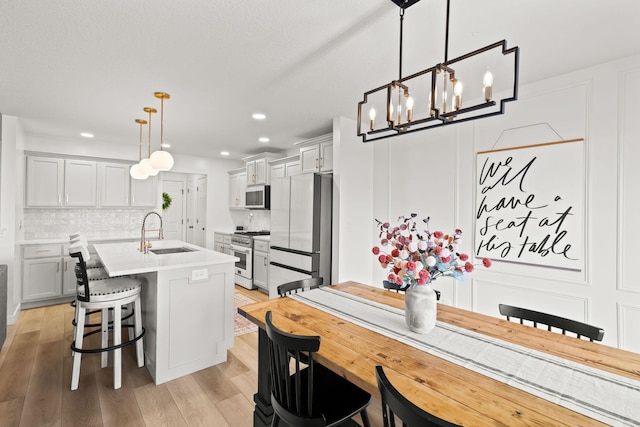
{"points": [[420, 308]]}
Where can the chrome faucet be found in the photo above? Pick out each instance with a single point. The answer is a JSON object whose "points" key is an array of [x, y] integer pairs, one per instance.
{"points": [[143, 241]]}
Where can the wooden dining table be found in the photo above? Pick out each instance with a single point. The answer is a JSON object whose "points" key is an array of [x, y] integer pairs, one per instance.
{"points": [[443, 388]]}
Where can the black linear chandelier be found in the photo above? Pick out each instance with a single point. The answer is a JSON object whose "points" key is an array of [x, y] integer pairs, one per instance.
{"points": [[422, 101]]}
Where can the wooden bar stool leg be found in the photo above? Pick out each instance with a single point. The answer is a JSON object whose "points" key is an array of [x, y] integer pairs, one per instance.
{"points": [[117, 339], [78, 337], [138, 331], [104, 356]]}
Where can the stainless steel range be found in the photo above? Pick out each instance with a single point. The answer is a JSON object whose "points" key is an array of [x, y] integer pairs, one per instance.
{"points": [[242, 247]]}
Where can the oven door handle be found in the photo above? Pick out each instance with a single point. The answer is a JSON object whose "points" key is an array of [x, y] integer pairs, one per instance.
{"points": [[246, 251]]}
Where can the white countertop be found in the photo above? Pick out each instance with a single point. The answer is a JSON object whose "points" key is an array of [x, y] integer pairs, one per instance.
{"points": [[124, 258]]}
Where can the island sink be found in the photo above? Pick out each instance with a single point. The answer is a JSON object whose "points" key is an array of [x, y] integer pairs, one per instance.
{"points": [[165, 251]]}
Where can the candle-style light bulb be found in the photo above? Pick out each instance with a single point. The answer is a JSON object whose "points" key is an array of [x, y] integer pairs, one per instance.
{"points": [[487, 82], [457, 95], [372, 118], [409, 108], [391, 113]]}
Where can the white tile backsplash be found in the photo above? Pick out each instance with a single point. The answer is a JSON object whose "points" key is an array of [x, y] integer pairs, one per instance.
{"points": [[94, 223], [252, 220]]}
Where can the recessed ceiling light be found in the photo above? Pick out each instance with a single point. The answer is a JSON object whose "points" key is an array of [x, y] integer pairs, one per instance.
{"points": [[224, 153], [165, 145], [263, 139], [87, 135], [259, 116]]}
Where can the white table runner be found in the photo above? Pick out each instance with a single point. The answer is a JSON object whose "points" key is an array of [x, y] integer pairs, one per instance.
{"points": [[604, 396]]}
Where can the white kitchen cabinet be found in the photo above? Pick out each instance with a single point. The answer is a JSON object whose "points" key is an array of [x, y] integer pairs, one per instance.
{"points": [[144, 192], [257, 168], [114, 184], [80, 178], [47, 273], [287, 166], [261, 264], [237, 188], [45, 182], [316, 155], [53, 182], [41, 278]]}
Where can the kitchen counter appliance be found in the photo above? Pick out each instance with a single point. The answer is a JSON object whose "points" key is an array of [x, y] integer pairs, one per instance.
{"points": [[242, 247], [300, 244]]}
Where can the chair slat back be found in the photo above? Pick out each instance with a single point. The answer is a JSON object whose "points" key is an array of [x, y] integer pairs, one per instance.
{"points": [[292, 387], [299, 286], [82, 279], [395, 404], [593, 333]]}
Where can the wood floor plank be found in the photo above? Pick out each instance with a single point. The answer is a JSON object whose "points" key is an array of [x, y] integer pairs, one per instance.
{"points": [[247, 384], [30, 320], [215, 384], [82, 406], [11, 333], [234, 366], [158, 407], [42, 405], [53, 329], [11, 411], [16, 369], [195, 406], [237, 410], [119, 407], [246, 354]]}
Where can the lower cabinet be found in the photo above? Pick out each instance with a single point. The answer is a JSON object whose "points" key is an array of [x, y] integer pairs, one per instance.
{"points": [[46, 273], [261, 264]]}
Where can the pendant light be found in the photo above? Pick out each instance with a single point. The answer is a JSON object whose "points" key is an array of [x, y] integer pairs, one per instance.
{"points": [[135, 171], [161, 160], [145, 164]]}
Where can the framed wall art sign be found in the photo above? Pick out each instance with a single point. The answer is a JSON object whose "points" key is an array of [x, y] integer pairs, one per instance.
{"points": [[530, 204]]}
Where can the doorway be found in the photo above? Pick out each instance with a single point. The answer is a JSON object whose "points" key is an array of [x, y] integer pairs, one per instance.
{"points": [[186, 218]]}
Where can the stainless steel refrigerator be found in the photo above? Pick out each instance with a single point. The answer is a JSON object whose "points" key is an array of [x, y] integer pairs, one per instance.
{"points": [[300, 246]]}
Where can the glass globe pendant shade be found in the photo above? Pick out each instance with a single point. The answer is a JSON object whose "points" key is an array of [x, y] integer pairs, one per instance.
{"points": [[146, 168], [161, 160], [136, 173]]}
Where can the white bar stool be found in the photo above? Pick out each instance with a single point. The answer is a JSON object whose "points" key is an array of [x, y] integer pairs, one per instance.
{"points": [[105, 294]]}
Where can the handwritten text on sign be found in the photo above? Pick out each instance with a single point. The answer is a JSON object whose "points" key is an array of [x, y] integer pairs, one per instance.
{"points": [[530, 204]]}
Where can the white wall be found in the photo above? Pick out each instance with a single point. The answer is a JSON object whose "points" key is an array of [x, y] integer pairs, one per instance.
{"points": [[433, 173], [10, 138]]}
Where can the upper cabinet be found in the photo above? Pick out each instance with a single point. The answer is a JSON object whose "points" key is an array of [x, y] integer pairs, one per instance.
{"points": [[55, 182], [144, 192], [114, 184], [237, 188], [257, 169], [316, 155], [287, 166], [80, 183]]}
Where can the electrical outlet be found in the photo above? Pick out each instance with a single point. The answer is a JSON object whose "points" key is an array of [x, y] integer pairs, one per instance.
{"points": [[199, 275]]}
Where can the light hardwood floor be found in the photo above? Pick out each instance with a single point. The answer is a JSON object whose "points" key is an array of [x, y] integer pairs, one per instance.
{"points": [[35, 380]]}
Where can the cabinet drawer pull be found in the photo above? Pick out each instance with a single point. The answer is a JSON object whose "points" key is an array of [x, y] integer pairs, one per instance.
{"points": [[43, 250], [57, 267]]}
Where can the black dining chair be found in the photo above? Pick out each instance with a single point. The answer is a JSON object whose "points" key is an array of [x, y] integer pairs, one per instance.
{"points": [[593, 333], [299, 286], [395, 404], [390, 286], [308, 394]]}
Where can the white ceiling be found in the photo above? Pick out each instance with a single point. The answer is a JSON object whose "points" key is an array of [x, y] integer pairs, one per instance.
{"points": [[69, 66]]}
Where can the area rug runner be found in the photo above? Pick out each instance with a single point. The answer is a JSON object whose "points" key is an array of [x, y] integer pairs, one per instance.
{"points": [[607, 397], [241, 325]]}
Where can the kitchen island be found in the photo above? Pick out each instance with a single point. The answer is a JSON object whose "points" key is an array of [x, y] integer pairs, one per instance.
{"points": [[187, 303]]}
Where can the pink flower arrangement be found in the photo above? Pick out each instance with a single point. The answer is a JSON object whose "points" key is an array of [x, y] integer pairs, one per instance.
{"points": [[415, 258]]}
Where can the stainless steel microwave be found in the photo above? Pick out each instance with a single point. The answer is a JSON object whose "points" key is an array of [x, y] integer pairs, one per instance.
{"points": [[258, 197]]}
